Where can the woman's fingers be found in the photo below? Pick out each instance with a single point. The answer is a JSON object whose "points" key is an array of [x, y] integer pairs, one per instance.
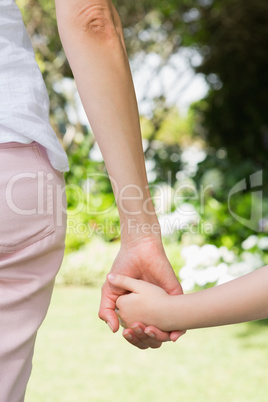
{"points": [[157, 334], [130, 336], [137, 337], [107, 307]]}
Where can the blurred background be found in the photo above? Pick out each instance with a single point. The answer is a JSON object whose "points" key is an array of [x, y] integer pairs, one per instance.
{"points": [[200, 71]]}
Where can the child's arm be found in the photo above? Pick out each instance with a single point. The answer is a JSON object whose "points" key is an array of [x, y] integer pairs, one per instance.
{"points": [[242, 299]]}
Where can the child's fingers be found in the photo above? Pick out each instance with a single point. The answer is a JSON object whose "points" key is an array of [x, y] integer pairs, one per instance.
{"points": [[125, 282]]}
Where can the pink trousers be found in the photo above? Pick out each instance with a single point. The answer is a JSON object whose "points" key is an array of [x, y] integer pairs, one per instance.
{"points": [[32, 234]]}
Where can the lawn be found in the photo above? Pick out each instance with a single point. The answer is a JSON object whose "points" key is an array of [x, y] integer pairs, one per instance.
{"points": [[78, 359]]}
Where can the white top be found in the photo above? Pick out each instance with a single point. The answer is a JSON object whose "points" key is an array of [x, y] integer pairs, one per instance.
{"points": [[24, 103]]}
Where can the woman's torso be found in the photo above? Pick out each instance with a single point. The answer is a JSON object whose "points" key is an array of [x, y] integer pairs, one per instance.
{"points": [[24, 103]]}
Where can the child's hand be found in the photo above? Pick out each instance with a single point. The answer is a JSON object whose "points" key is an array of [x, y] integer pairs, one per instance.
{"points": [[146, 303]]}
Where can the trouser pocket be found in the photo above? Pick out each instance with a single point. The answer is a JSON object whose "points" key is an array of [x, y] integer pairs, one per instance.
{"points": [[26, 199]]}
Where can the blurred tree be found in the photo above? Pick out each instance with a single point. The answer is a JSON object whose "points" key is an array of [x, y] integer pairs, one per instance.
{"points": [[232, 39]]}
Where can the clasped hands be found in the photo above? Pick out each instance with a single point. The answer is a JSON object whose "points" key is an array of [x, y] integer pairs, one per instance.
{"points": [[142, 259]]}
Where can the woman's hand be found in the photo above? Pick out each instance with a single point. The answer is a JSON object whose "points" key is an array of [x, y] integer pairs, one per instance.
{"points": [[143, 258]]}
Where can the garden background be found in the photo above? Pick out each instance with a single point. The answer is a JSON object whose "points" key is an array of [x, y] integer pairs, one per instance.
{"points": [[201, 78]]}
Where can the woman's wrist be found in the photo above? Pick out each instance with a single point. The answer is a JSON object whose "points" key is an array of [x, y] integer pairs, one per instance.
{"points": [[138, 219], [135, 229]]}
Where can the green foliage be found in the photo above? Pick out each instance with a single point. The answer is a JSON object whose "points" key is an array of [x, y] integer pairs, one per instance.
{"points": [[91, 204], [89, 265]]}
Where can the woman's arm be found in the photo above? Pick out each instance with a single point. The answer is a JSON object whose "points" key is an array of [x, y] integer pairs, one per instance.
{"points": [[92, 37], [240, 300]]}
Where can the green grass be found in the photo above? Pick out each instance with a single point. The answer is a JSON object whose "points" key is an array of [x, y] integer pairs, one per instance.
{"points": [[78, 359]]}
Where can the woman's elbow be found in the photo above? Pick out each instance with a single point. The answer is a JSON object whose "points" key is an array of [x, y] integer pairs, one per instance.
{"points": [[95, 20]]}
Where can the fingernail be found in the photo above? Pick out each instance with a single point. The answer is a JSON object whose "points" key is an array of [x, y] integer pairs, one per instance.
{"points": [[128, 337], [149, 333], [137, 330], [110, 326], [111, 277]]}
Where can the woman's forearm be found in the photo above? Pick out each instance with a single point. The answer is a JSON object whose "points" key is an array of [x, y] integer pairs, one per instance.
{"points": [[240, 300], [93, 41]]}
